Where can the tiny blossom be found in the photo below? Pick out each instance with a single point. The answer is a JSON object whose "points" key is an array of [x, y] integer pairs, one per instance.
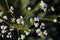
{"points": [[52, 8], [22, 37], [45, 32], [36, 24], [12, 19], [43, 5], [5, 17], [29, 8], [1, 20], [31, 19], [2, 35], [11, 8], [1, 13], [21, 17], [38, 30], [40, 34], [36, 19], [18, 21], [3, 31], [27, 33], [42, 24], [3, 27], [55, 20], [9, 36], [9, 33], [11, 29], [22, 22]]}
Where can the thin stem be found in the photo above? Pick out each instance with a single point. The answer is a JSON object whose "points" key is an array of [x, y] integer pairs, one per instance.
{"points": [[8, 7]]}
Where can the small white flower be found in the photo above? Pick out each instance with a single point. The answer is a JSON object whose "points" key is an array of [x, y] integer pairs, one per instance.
{"points": [[3, 27], [21, 17], [3, 31], [36, 19], [29, 8], [22, 37], [36, 24], [9, 36], [55, 20], [9, 33], [22, 22], [5, 17], [42, 24], [45, 32], [40, 34], [12, 19], [52, 8], [43, 6], [18, 21], [1, 13], [31, 19], [11, 29], [1, 20], [38, 30], [11, 8], [27, 33], [2, 35]]}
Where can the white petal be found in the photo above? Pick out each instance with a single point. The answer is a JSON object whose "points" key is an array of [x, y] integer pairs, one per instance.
{"points": [[31, 19], [27, 33], [10, 36], [45, 32], [18, 21], [12, 19], [36, 19], [11, 29], [1, 13], [5, 27], [11, 8], [36, 24], [52, 8], [1, 20], [22, 36], [2, 27], [21, 17], [42, 24], [7, 36], [38, 30], [9, 33], [22, 22], [55, 20], [5, 17], [29, 8], [3, 31]]}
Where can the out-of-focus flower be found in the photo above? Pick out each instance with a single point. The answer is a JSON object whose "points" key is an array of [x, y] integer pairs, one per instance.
{"points": [[36, 24], [3, 31], [36, 19], [5, 17], [43, 6], [55, 20], [1, 13], [1, 20], [52, 8], [22, 37], [29, 8]]}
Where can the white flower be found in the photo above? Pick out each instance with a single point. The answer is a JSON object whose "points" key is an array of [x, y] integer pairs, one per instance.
{"points": [[36, 24], [21, 17], [1, 13], [55, 20], [22, 37], [45, 32], [31, 19], [9, 36], [29, 8], [42, 24], [3, 27], [36, 19], [11, 8], [11, 29], [40, 34], [5, 17], [3, 31], [27, 33], [1, 20], [12, 19], [52, 8], [18, 21], [9, 33], [43, 6], [2, 35], [38, 30], [22, 22]]}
